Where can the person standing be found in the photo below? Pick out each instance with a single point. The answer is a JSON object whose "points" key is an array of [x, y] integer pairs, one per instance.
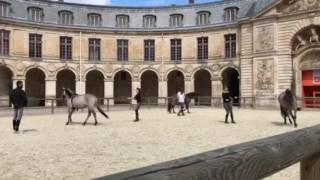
{"points": [[137, 97], [181, 98], [19, 100], [227, 104]]}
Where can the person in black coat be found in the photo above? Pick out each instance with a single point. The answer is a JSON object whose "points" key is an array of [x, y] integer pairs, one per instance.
{"points": [[227, 104], [137, 97], [19, 100]]}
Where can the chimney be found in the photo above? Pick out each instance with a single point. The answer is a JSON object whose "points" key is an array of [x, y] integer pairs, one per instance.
{"points": [[191, 1]]}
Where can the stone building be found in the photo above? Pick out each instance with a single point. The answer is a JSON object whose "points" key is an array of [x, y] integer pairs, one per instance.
{"points": [[257, 48]]}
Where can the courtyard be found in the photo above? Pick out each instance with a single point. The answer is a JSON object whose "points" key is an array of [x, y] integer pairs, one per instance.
{"points": [[47, 149]]}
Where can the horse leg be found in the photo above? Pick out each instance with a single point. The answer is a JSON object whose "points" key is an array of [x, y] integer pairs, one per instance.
{"points": [[187, 107], [289, 115], [69, 116], [95, 118], [173, 108], [294, 118], [89, 114]]}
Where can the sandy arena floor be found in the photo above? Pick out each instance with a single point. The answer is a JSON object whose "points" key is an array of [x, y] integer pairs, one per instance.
{"points": [[47, 149]]}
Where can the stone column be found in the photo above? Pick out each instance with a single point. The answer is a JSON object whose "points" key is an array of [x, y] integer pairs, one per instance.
{"points": [[51, 92], [163, 91], [108, 90], [187, 85], [81, 86], [217, 86], [135, 84]]}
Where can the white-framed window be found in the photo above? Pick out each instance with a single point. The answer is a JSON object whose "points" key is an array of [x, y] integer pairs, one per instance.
{"points": [[149, 21], [122, 21], [65, 17], [94, 20], [35, 14], [4, 9], [176, 20], [203, 18], [230, 14]]}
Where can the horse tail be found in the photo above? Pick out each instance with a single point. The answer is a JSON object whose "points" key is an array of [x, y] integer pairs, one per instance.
{"points": [[101, 111]]}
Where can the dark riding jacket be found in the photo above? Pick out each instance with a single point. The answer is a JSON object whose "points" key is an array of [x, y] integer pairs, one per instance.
{"points": [[18, 98], [138, 98]]}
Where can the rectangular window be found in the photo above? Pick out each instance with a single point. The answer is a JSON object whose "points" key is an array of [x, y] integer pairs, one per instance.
{"points": [[4, 9], [4, 42], [149, 50], [94, 49], [66, 48], [122, 49], [122, 21], [230, 45], [176, 49], [35, 45], [94, 20], [176, 20], [202, 48], [35, 14], [65, 18]]}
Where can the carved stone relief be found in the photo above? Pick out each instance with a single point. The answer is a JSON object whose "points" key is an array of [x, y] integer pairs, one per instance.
{"points": [[291, 6], [310, 61], [264, 77], [264, 38], [306, 38]]}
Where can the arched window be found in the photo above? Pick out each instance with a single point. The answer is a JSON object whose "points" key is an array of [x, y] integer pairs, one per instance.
{"points": [[35, 14], [4, 9], [230, 14], [65, 17], [203, 18], [122, 21], [94, 20], [176, 20], [149, 21]]}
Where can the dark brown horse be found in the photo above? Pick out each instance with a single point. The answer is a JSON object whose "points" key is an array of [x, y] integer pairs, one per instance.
{"points": [[173, 101], [288, 107]]}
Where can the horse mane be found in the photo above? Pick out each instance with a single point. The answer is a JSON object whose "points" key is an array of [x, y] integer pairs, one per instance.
{"points": [[191, 94], [70, 93]]}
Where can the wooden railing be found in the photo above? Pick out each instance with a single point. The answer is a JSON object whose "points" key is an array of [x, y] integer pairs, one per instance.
{"points": [[248, 161]]}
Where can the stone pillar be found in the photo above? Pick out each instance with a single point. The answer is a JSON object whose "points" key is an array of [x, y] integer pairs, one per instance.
{"points": [[51, 92], [216, 90], [108, 90], [136, 83], [187, 85], [81, 86], [163, 91]]}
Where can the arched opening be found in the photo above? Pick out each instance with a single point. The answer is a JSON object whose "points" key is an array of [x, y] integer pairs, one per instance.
{"points": [[309, 67], [36, 87], [95, 84], [122, 87], [149, 87], [175, 82], [65, 79], [230, 79], [202, 86], [5, 86]]}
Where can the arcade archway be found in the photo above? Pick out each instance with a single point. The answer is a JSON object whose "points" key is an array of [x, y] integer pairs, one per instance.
{"points": [[202, 86], [95, 84], [65, 79], [150, 87], [230, 79], [35, 87], [5, 86], [122, 87], [175, 82]]}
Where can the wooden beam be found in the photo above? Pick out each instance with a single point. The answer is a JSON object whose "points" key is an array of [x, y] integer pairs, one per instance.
{"points": [[248, 161]]}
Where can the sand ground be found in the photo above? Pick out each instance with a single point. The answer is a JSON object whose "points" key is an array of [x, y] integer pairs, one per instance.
{"points": [[47, 149]]}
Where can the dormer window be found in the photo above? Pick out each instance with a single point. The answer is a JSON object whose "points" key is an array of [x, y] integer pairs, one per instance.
{"points": [[230, 14], [35, 14], [122, 21], [94, 20], [176, 20], [4, 9], [203, 18], [149, 21], [65, 17]]}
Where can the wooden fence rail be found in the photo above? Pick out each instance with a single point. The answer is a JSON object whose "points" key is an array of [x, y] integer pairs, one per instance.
{"points": [[248, 161]]}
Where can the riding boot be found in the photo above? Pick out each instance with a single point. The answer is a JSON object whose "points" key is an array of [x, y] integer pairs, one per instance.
{"points": [[226, 119], [232, 121], [137, 116], [17, 125], [14, 125]]}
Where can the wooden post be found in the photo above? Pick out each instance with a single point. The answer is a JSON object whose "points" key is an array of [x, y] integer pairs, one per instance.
{"points": [[310, 168], [52, 106], [108, 105]]}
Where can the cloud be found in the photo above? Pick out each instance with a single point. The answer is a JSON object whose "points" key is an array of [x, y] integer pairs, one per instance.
{"points": [[97, 2]]}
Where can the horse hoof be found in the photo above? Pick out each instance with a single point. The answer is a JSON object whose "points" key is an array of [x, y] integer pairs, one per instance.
{"points": [[67, 124], [83, 124], [95, 124]]}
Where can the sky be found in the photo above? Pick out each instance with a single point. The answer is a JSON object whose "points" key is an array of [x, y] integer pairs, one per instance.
{"points": [[136, 2]]}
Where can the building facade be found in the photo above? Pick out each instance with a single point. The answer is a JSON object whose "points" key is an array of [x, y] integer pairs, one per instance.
{"points": [[256, 48]]}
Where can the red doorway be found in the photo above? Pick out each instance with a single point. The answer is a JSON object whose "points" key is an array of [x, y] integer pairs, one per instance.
{"points": [[311, 88]]}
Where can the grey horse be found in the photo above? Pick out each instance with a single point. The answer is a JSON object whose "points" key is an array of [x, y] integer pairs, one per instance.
{"points": [[75, 102], [288, 107]]}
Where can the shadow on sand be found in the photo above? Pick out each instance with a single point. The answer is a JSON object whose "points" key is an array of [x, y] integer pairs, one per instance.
{"points": [[29, 130], [280, 124]]}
